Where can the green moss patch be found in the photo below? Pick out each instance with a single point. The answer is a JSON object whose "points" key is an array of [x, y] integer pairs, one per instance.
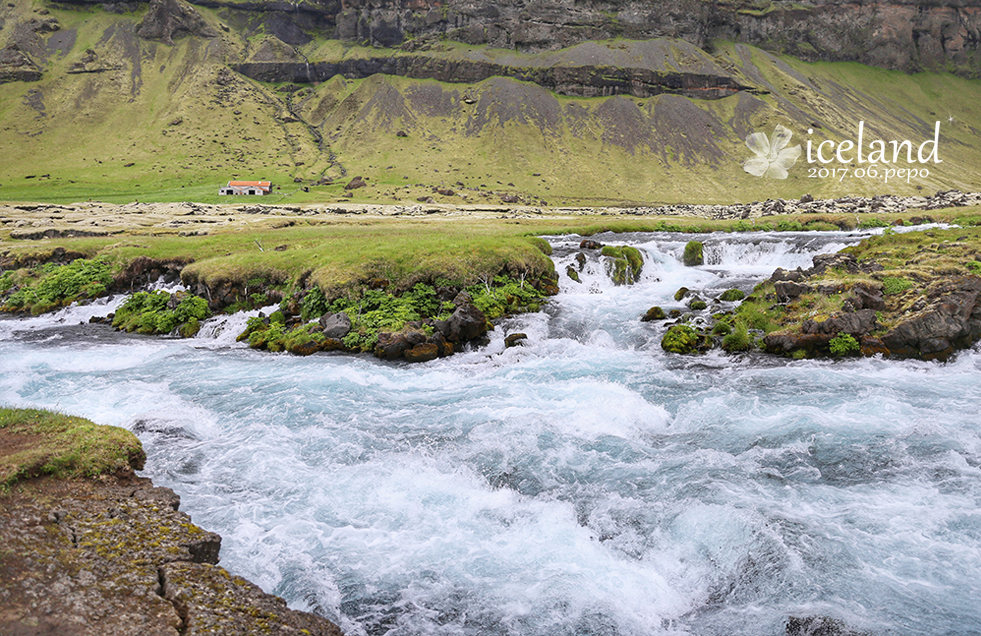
{"points": [[693, 253], [35, 442], [625, 265]]}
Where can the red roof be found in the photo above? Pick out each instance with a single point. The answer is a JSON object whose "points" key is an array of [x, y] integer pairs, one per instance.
{"points": [[254, 184]]}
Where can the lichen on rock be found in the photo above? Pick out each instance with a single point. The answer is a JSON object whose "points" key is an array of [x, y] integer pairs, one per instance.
{"points": [[110, 555]]}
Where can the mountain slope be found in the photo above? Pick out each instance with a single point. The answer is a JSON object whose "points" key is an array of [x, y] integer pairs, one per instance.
{"points": [[143, 105]]}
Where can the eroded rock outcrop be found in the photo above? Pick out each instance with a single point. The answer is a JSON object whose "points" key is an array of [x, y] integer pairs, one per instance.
{"points": [[113, 556], [166, 19], [908, 35], [17, 66], [582, 81]]}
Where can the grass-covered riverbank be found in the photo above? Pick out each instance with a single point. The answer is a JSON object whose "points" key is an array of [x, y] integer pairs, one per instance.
{"points": [[36, 442], [388, 273]]}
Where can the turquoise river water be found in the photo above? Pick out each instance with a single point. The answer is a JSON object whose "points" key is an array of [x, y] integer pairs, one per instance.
{"points": [[585, 483]]}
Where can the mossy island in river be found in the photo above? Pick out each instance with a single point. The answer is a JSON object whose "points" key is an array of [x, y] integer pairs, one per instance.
{"points": [[904, 295]]}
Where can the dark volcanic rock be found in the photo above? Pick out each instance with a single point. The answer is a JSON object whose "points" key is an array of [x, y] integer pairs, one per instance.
{"points": [[824, 262], [951, 321], [785, 343], [166, 19], [865, 297], [853, 322], [466, 323], [391, 346], [787, 290], [422, 352], [515, 340]]}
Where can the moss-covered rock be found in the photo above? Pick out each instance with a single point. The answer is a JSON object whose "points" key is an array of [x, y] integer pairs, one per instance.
{"points": [[731, 295], [693, 254], [683, 339], [572, 273], [625, 265], [654, 313]]}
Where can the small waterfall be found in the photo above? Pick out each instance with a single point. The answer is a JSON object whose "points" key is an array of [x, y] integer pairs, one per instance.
{"points": [[222, 330]]}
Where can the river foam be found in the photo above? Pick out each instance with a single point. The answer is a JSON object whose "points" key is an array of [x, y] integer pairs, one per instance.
{"points": [[585, 483]]}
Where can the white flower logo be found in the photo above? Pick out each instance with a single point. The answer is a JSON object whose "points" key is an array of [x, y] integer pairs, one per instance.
{"points": [[773, 158]]}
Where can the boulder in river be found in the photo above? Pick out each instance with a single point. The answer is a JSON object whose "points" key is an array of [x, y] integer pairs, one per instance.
{"points": [[694, 254], [654, 313]]}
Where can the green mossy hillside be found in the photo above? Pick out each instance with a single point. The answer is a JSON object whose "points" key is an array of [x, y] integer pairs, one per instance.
{"points": [[38, 442]]}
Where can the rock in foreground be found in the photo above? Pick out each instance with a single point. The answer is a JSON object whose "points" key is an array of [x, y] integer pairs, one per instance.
{"points": [[112, 556]]}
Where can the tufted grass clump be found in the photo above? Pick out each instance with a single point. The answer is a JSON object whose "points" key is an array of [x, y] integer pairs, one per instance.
{"points": [[894, 285], [737, 339], [39, 442]]}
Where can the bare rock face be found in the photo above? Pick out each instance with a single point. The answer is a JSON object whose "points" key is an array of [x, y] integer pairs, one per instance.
{"points": [[168, 18], [951, 321], [210, 601], [16, 66], [901, 34], [112, 556]]}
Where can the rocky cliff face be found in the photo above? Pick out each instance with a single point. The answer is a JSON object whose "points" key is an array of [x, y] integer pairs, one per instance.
{"points": [[905, 35], [582, 81]]}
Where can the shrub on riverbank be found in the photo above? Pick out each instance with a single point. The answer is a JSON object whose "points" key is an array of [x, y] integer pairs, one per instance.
{"points": [[159, 312], [53, 285]]}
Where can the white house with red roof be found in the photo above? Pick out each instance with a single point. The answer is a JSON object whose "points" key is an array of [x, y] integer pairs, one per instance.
{"points": [[247, 187]]}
